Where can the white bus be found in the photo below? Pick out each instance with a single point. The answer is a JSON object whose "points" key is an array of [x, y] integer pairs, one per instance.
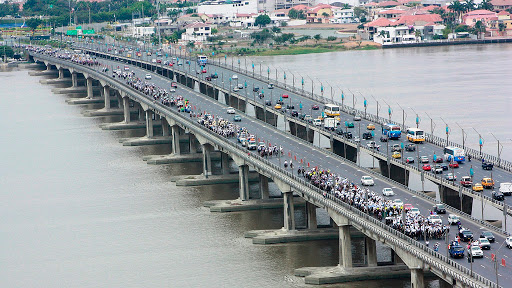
{"points": [[454, 153], [202, 60], [415, 135], [331, 110]]}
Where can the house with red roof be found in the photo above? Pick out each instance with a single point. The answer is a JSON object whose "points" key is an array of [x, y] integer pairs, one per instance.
{"points": [[319, 13], [501, 4], [197, 31], [488, 18], [391, 13]]}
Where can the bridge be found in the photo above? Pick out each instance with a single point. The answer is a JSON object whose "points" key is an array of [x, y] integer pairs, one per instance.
{"points": [[451, 192], [414, 254]]}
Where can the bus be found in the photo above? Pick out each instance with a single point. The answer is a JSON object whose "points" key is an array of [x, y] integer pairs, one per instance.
{"points": [[202, 60], [331, 110], [415, 135], [392, 130], [454, 153]]}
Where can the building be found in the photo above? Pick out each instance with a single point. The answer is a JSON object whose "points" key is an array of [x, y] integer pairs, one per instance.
{"points": [[391, 13], [319, 14], [501, 4], [272, 5], [142, 31], [197, 32], [228, 8], [243, 20], [394, 35], [342, 16], [488, 18]]}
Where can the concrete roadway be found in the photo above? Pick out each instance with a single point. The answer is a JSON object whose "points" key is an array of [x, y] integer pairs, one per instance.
{"points": [[321, 158], [427, 149]]}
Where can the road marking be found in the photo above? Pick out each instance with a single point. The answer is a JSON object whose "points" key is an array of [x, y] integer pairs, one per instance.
{"points": [[482, 266]]}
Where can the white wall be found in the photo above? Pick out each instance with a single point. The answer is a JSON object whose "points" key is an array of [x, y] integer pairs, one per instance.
{"points": [[229, 10]]}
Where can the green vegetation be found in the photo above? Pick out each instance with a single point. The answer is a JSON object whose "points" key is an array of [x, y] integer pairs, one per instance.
{"points": [[6, 50], [262, 20], [8, 8], [296, 14]]}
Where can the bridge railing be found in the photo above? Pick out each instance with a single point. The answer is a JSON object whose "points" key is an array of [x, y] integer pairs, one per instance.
{"points": [[299, 184], [433, 139]]}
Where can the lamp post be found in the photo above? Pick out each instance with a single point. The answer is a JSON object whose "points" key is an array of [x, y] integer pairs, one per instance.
{"points": [[464, 136], [404, 116], [417, 120], [378, 108], [365, 103], [268, 74], [432, 125], [447, 131], [480, 142], [500, 148]]}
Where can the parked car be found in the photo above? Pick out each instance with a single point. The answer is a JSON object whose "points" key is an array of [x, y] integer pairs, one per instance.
{"points": [[367, 181], [488, 235], [367, 136], [388, 192], [497, 195], [410, 147], [439, 208], [466, 181], [383, 138], [453, 219]]}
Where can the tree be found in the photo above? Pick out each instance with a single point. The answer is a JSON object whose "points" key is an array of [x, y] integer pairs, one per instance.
{"points": [[262, 20], [360, 12], [478, 29], [501, 27], [6, 50], [276, 29], [458, 8], [325, 15], [486, 5], [33, 23], [317, 37], [296, 14], [261, 36], [469, 6]]}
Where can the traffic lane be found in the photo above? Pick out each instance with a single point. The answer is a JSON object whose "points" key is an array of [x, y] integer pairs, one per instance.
{"points": [[323, 161]]}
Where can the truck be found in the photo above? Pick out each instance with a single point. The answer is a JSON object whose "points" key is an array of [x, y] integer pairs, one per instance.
{"points": [[456, 250], [506, 188], [330, 123]]}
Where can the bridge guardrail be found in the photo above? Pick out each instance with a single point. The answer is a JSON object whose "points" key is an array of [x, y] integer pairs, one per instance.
{"points": [[367, 116], [341, 207]]}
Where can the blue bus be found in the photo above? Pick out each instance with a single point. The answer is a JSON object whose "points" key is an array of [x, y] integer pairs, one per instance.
{"points": [[455, 154], [202, 60], [392, 130]]}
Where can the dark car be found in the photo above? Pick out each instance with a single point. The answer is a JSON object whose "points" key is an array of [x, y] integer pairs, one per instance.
{"points": [[214, 76], [208, 78], [437, 160], [339, 131], [456, 250], [444, 166], [295, 113], [268, 102], [290, 107], [384, 138], [497, 195], [465, 235], [488, 235], [439, 209], [410, 147], [280, 102], [367, 136], [256, 89], [486, 165]]}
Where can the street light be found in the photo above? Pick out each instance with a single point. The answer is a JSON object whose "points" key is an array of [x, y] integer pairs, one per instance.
{"points": [[378, 108], [404, 116], [480, 142], [417, 118], [432, 125], [500, 148], [464, 136], [389, 110], [447, 131]]}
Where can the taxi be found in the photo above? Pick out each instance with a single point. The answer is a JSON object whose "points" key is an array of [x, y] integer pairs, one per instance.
{"points": [[370, 126], [488, 183], [478, 187], [396, 155], [278, 106]]}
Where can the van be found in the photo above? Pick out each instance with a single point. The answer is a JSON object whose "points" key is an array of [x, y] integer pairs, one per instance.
{"points": [[506, 188], [488, 183], [466, 181], [453, 219]]}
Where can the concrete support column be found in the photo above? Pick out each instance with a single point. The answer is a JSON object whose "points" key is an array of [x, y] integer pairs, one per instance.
{"points": [[264, 187], [371, 251], [289, 211], [192, 143], [61, 73], [444, 284], [126, 109], [165, 127], [106, 94], [149, 123], [345, 247], [224, 162], [243, 172], [74, 80], [417, 280], [311, 215], [175, 135], [142, 115], [89, 87], [207, 161]]}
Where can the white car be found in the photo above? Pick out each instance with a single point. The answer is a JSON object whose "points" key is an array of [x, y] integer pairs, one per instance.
{"points": [[414, 211], [508, 242], [153, 60], [231, 110], [317, 122], [235, 77], [435, 219], [367, 181], [126, 68], [172, 90], [148, 77], [453, 219], [388, 192], [235, 89], [423, 159], [476, 252]]}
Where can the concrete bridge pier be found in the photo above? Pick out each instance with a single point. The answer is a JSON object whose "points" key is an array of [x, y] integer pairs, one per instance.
{"points": [[61, 73], [126, 109], [90, 94], [394, 172], [165, 127], [175, 142], [289, 211], [264, 193], [452, 198], [345, 243], [106, 96], [207, 160], [149, 124], [224, 163], [371, 251], [311, 216], [74, 79], [243, 172], [343, 149]]}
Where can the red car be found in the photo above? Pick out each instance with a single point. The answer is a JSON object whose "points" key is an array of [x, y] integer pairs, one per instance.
{"points": [[171, 64], [284, 95], [426, 167], [408, 207], [204, 70], [438, 160], [454, 165], [174, 85], [315, 107]]}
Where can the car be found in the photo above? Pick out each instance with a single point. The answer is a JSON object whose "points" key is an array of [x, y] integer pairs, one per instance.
{"points": [[450, 177], [453, 165], [268, 102], [453, 219], [436, 159], [315, 107], [477, 187], [295, 113], [208, 78], [174, 84], [398, 203], [439, 208], [488, 235], [410, 147], [444, 166], [308, 118], [396, 147], [456, 250], [251, 145], [415, 211], [434, 218], [408, 207], [290, 106], [255, 89], [384, 138], [367, 181], [237, 118], [372, 145], [497, 195], [270, 86], [396, 155], [234, 77], [240, 86], [388, 192], [486, 165], [230, 110], [437, 169], [508, 242], [339, 131], [488, 183], [317, 122], [147, 77], [180, 63], [284, 96], [475, 252], [278, 106], [466, 181], [465, 235], [357, 118], [214, 75], [357, 139], [172, 90], [424, 159], [349, 124], [367, 136], [347, 135], [426, 167], [158, 61], [236, 89], [126, 68], [409, 160], [370, 126], [153, 60], [279, 101]]}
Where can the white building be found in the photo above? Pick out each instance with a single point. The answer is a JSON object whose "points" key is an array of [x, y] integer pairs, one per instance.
{"points": [[197, 32], [243, 20], [342, 16], [228, 8], [142, 31], [394, 35]]}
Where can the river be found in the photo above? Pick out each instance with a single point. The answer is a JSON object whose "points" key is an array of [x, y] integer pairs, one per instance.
{"points": [[78, 209]]}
